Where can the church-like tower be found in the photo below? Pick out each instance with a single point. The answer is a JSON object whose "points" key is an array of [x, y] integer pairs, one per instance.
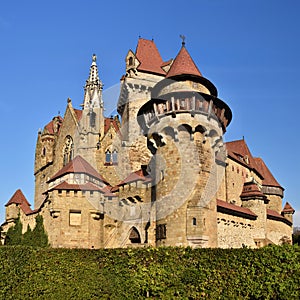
{"points": [[91, 126]]}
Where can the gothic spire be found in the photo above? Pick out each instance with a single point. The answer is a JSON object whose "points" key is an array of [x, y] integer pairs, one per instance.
{"points": [[93, 87]]}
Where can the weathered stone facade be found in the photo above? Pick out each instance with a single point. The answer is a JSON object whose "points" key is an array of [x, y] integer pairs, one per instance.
{"points": [[160, 174]]}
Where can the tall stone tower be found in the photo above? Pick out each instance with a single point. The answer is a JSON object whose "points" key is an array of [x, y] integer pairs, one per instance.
{"points": [[184, 122], [144, 68]]}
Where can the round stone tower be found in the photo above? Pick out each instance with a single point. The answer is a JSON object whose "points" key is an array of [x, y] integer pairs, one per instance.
{"points": [[184, 123]]}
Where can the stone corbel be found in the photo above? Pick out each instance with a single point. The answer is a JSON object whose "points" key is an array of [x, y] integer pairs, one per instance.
{"points": [[96, 214], [55, 213]]}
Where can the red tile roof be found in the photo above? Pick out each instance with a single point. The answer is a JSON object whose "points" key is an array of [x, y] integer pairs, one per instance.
{"points": [[76, 187], [251, 189], [149, 57], [50, 126], [107, 190], [89, 186], [269, 179], [225, 207], [165, 63], [274, 215], [19, 199], [139, 175], [114, 122], [183, 64], [239, 151], [288, 208], [78, 165], [78, 113]]}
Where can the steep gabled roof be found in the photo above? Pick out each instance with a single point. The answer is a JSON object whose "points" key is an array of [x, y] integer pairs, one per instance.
{"points": [[183, 64], [78, 113], [108, 122], [149, 57], [78, 165], [19, 199], [239, 151], [269, 179]]}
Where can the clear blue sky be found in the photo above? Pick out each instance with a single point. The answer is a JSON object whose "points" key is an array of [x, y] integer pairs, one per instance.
{"points": [[248, 49]]}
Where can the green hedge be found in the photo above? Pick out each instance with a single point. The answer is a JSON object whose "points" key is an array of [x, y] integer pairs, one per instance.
{"points": [[157, 273]]}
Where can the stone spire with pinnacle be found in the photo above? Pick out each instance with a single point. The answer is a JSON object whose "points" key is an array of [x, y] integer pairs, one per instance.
{"points": [[93, 88]]}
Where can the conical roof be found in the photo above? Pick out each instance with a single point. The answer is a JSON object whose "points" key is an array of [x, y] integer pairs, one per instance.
{"points": [[19, 199], [288, 208], [183, 64]]}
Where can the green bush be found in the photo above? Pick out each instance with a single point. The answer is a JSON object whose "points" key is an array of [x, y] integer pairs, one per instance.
{"points": [[156, 273], [34, 238]]}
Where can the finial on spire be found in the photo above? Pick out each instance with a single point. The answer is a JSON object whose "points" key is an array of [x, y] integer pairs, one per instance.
{"points": [[94, 57], [183, 39]]}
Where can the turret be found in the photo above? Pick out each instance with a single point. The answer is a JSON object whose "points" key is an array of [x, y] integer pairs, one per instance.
{"points": [[253, 198], [288, 212], [184, 122]]}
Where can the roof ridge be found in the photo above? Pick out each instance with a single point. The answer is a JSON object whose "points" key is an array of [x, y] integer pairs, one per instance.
{"points": [[269, 179]]}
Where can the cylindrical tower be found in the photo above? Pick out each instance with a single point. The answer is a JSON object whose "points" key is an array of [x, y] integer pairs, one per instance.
{"points": [[184, 123]]}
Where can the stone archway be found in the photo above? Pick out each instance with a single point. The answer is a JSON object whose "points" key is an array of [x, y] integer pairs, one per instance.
{"points": [[134, 236]]}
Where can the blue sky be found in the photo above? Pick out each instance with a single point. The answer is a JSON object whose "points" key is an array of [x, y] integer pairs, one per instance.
{"points": [[248, 49]]}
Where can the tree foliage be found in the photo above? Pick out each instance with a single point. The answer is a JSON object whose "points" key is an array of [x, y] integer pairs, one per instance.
{"points": [[14, 233], [296, 236], [34, 238]]}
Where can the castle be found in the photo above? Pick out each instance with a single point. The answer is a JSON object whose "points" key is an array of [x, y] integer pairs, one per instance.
{"points": [[158, 175]]}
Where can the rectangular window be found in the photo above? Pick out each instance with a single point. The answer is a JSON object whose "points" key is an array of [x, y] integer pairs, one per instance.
{"points": [[161, 232], [75, 217]]}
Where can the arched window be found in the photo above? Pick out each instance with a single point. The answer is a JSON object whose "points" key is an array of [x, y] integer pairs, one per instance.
{"points": [[68, 151], [92, 119], [107, 157], [194, 221], [111, 158], [130, 61], [44, 151], [115, 157]]}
